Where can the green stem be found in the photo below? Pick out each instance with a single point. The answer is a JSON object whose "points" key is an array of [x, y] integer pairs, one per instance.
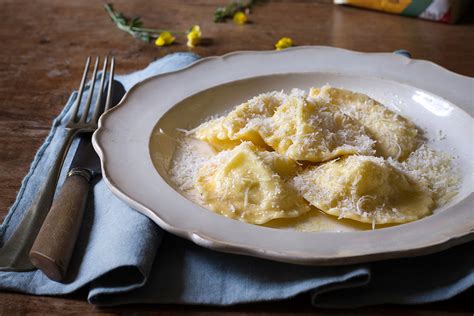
{"points": [[136, 32], [142, 29]]}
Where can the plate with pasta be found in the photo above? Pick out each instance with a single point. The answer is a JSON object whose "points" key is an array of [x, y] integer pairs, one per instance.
{"points": [[312, 155]]}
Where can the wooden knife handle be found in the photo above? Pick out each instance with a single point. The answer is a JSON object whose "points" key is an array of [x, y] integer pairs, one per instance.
{"points": [[55, 242]]}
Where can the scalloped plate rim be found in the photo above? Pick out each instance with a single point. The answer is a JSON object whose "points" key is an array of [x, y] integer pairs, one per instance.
{"points": [[204, 239]]}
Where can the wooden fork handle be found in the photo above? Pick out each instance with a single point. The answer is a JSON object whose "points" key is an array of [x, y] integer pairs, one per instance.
{"points": [[54, 245]]}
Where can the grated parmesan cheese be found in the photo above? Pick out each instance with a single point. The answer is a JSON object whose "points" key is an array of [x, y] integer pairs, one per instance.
{"points": [[322, 125], [435, 171], [365, 189], [246, 197], [188, 158]]}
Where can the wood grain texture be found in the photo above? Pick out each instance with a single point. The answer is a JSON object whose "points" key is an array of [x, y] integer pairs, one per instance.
{"points": [[43, 45], [12, 303], [54, 245]]}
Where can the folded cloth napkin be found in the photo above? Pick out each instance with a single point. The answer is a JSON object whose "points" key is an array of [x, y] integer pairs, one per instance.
{"points": [[123, 257]]}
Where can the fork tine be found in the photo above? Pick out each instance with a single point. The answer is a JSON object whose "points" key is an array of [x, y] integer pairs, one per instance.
{"points": [[97, 108], [110, 85], [91, 93], [81, 90]]}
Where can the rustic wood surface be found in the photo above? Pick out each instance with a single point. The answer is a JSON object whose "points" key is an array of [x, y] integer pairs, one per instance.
{"points": [[44, 43]]}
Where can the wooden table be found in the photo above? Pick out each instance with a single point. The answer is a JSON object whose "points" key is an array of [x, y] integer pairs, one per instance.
{"points": [[44, 43]]}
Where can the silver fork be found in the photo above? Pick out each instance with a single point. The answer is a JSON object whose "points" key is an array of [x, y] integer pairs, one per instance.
{"points": [[14, 253]]}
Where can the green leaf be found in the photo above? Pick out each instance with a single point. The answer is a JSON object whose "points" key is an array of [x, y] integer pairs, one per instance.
{"points": [[221, 14], [133, 26], [136, 22]]}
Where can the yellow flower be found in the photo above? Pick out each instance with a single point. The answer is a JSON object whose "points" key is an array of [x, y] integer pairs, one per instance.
{"points": [[165, 38], [240, 18], [194, 36], [283, 43]]}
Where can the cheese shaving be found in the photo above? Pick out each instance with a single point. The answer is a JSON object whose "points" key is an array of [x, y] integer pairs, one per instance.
{"points": [[435, 170], [246, 197], [279, 148]]}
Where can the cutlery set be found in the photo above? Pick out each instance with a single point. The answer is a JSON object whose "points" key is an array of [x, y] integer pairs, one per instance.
{"points": [[46, 236]]}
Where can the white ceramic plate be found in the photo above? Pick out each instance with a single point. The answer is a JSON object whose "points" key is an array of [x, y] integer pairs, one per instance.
{"points": [[433, 97]]}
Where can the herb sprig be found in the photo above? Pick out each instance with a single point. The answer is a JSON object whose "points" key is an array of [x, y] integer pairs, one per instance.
{"points": [[133, 26], [223, 13]]}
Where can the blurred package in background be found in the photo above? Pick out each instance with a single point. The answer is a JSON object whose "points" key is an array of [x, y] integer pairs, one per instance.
{"points": [[448, 11]]}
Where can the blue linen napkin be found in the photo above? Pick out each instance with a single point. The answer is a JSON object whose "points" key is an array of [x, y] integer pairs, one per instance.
{"points": [[123, 257]]}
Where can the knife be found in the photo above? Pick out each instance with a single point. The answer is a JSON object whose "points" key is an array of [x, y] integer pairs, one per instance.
{"points": [[54, 244]]}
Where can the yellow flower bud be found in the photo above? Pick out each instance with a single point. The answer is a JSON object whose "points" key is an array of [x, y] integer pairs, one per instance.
{"points": [[165, 38], [240, 18], [283, 43], [194, 36]]}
